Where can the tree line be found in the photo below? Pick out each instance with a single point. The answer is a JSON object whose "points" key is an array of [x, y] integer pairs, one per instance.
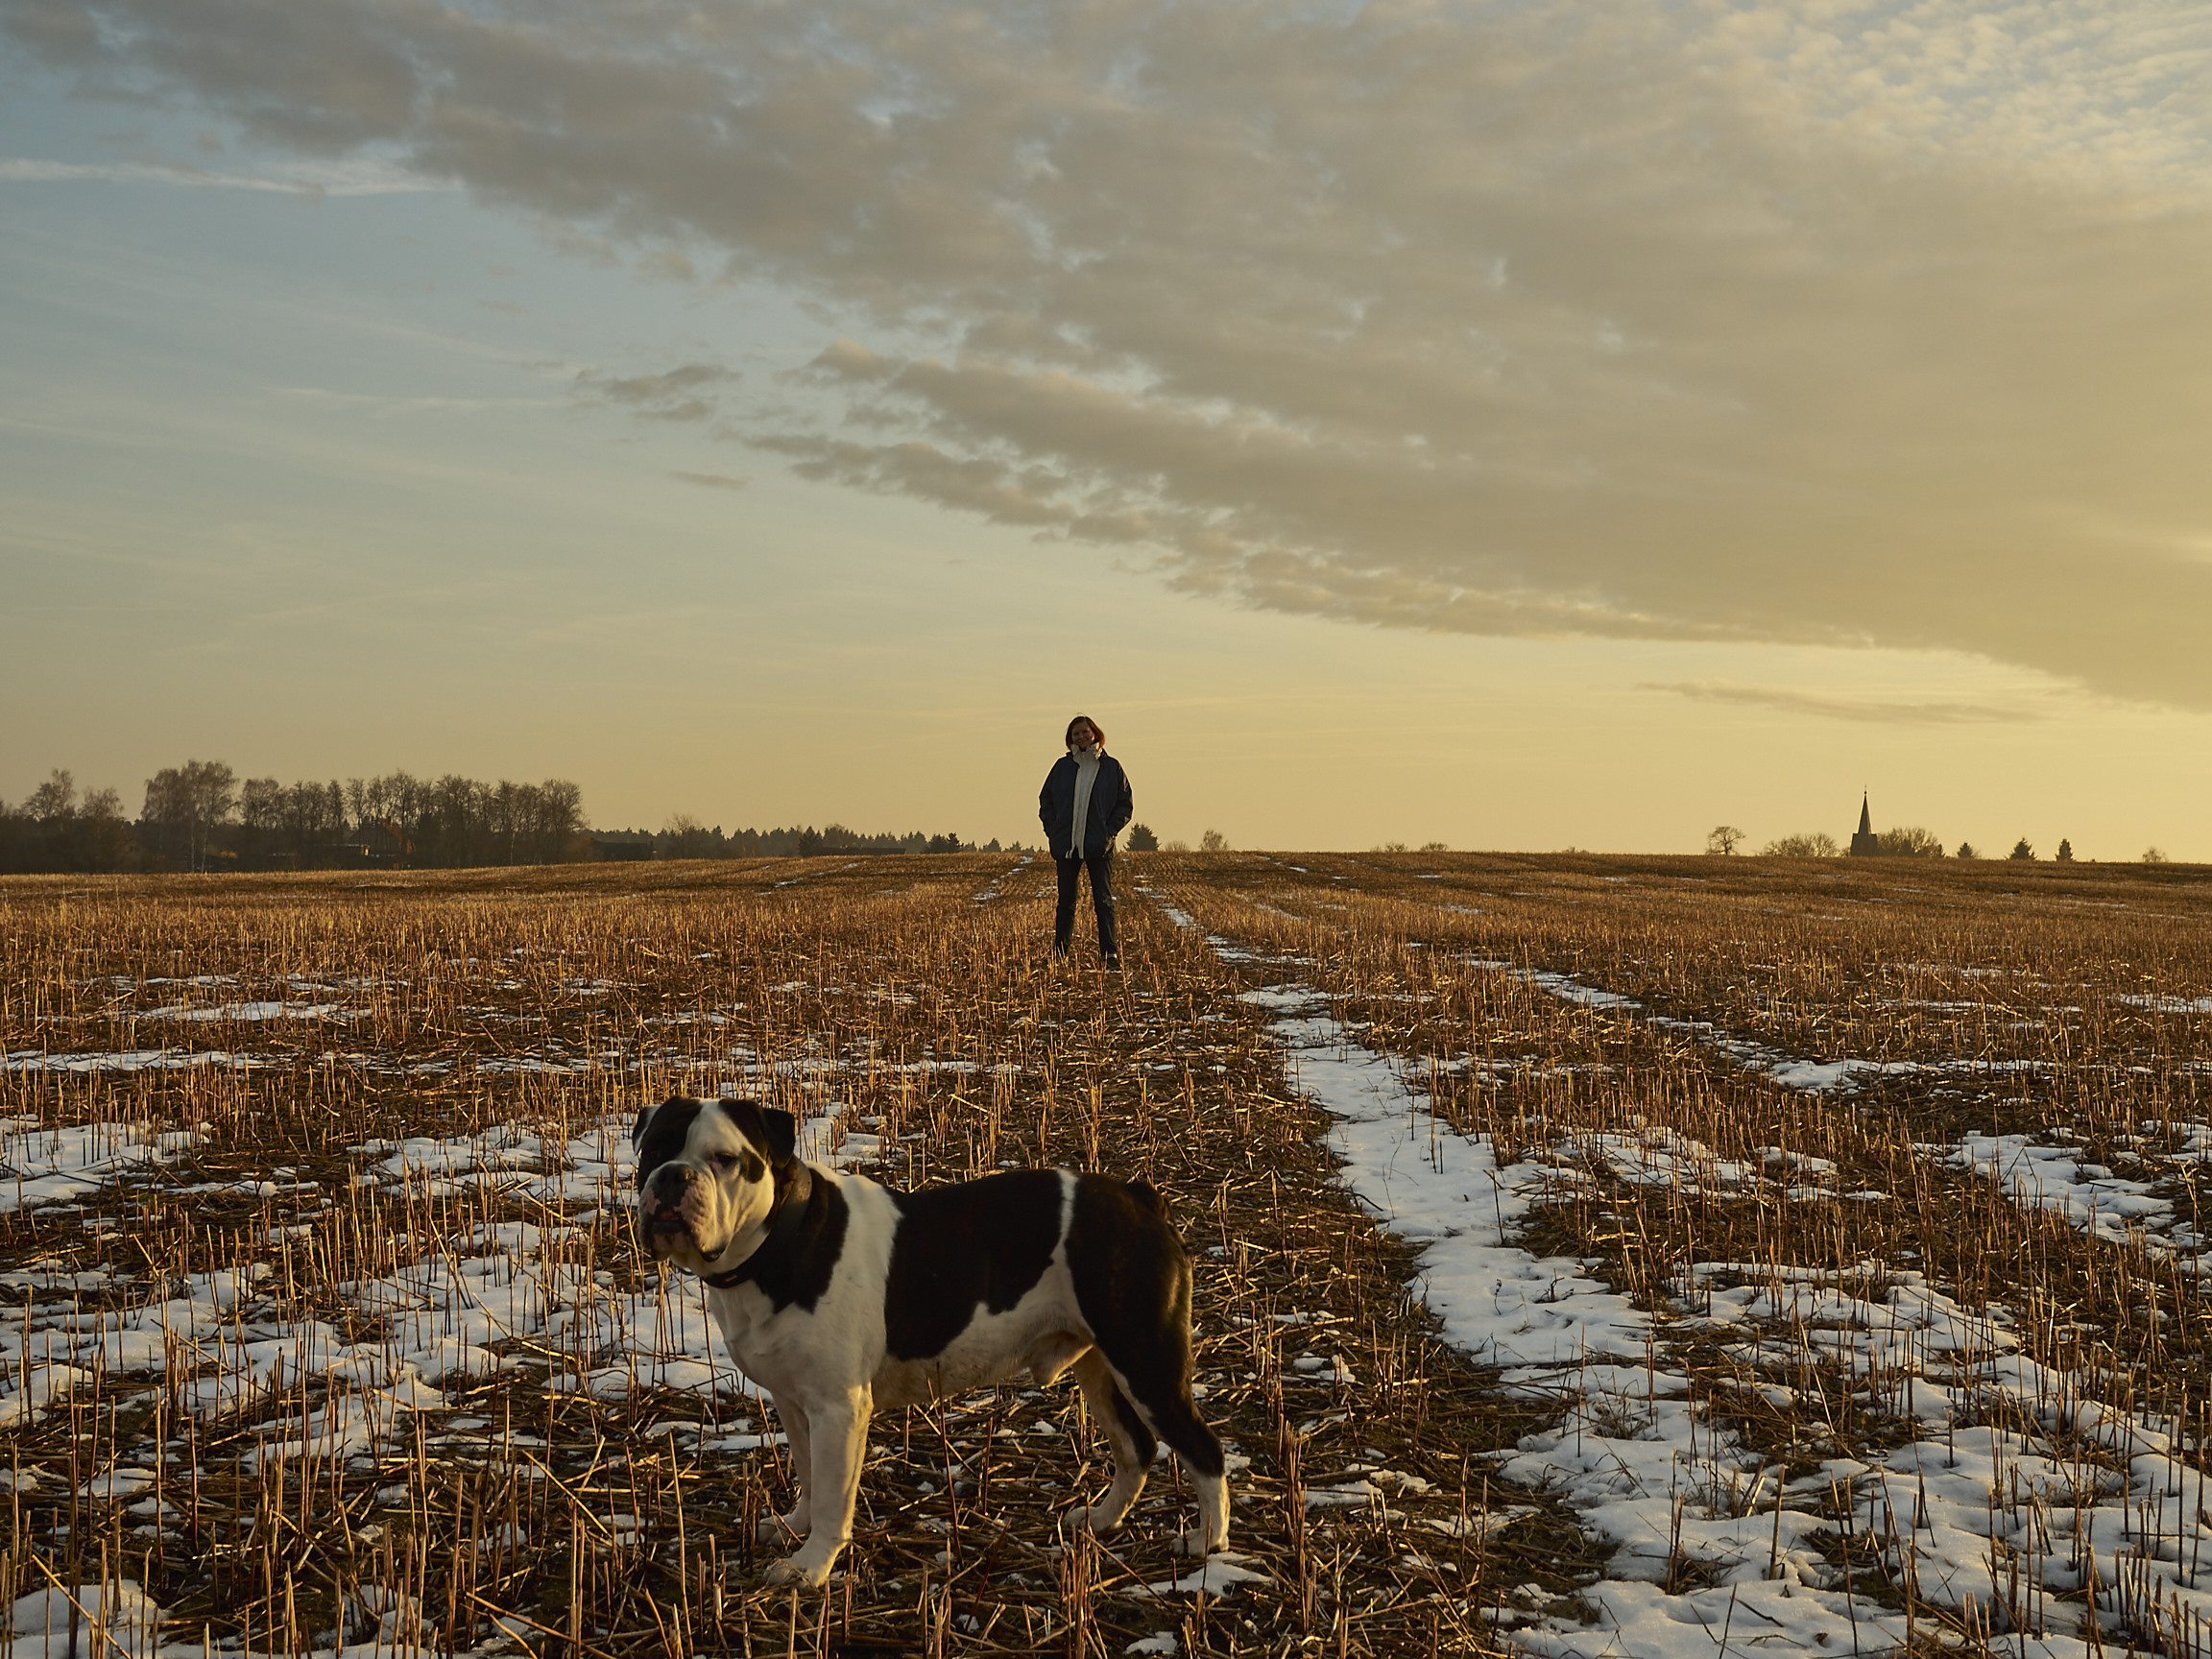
{"points": [[684, 836], [1908, 841], [202, 816]]}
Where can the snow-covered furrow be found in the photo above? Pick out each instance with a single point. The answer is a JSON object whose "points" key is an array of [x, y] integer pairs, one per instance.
{"points": [[2057, 1177], [991, 891], [2012, 1487]]}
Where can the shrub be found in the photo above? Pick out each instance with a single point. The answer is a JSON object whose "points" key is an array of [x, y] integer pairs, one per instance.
{"points": [[1810, 844], [1910, 841]]}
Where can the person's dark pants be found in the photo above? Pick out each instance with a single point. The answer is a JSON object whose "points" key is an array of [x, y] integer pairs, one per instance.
{"points": [[1101, 865]]}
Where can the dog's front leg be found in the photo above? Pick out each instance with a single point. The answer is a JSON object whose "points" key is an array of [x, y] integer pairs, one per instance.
{"points": [[837, 1430], [793, 1523]]}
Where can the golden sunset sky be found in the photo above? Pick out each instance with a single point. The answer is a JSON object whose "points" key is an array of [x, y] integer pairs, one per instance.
{"points": [[1509, 425]]}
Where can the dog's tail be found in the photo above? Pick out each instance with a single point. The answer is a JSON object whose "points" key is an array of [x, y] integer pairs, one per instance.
{"points": [[1149, 1196]]}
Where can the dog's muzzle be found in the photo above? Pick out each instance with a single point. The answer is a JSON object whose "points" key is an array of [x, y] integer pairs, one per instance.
{"points": [[660, 1215]]}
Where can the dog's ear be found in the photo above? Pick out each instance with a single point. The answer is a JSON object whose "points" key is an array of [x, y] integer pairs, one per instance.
{"points": [[782, 1130], [646, 1115]]}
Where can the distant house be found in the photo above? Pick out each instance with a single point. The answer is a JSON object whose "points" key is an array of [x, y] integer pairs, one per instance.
{"points": [[1865, 844], [379, 841]]}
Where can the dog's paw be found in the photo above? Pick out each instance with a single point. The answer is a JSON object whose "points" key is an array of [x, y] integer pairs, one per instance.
{"points": [[1095, 1518], [1195, 1543], [798, 1570], [780, 1529]]}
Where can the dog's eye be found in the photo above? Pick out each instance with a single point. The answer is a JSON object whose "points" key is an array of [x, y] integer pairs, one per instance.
{"points": [[724, 1159]]}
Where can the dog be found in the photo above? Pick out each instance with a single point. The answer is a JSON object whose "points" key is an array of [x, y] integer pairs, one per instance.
{"points": [[838, 1295]]}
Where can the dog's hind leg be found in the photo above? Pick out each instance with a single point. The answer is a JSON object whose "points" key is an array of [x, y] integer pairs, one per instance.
{"points": [[1161, 1396], [1200, 1449], [1134, 1446]]}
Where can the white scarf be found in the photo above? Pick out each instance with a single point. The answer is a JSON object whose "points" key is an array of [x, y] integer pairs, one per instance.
{"points": [[1086, 774]]}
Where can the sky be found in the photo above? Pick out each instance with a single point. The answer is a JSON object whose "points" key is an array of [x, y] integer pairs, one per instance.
{"points": [[1503, 425]]}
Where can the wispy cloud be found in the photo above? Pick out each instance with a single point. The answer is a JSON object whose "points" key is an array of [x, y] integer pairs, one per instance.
{"points": [[1877, 711], [692, 392], [1874, 326], [712, 480], [380, 403], [340, 181]]}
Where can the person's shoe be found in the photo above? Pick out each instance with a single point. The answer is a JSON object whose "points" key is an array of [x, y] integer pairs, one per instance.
{"points": [[1109, 960]]}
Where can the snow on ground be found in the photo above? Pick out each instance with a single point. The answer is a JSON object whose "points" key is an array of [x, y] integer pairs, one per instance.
{"points": [[991, 891], [51, 1166], [2011, 1483], [2054, 1177], [1789, 1071], [507, 1296], [498, 1299]]}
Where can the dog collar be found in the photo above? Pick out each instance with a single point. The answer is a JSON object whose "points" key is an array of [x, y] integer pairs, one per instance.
{"points": [[782, 1233]]}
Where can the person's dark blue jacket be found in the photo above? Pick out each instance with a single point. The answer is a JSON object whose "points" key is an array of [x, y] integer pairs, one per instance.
{"points": [[1111, 805]]}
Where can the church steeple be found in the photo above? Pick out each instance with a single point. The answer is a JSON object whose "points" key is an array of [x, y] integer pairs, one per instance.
{"points": [[1865, 844]]}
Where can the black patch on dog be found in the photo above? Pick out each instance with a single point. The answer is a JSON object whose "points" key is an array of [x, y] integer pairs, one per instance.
{"points": [[660, 1136], [1133, 1283], [774, 1131], [984, 1241], [806, 1238], [1135, 1426]]}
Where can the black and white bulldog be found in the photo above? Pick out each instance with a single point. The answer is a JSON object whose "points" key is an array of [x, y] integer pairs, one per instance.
{"points": [[838, 1295]]}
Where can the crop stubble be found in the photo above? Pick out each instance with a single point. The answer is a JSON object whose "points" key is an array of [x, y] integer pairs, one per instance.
{"points": [[885, 993]]}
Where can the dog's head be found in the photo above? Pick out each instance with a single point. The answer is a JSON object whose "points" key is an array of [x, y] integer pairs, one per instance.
{"points": [[707, 1175]]}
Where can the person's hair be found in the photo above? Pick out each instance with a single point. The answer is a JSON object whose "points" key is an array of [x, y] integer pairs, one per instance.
{"points": [[1096, 730]]}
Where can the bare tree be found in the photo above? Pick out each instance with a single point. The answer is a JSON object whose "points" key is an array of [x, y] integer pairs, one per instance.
{"points": [[1912, 841], [559, 817], [2153, 855], [1812, 844], [55, 801], [261, 805], [1723, 838], [684, 836], [189, 801], [1213, 841]]}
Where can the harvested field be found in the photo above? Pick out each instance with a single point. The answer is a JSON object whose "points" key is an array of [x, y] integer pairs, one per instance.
{"points": [[1594, 1254]]}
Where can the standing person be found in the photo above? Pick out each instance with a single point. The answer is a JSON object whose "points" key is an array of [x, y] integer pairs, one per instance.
{"points": [[1084, 804]]}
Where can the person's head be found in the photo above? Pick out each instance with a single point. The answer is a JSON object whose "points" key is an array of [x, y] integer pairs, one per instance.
{"points": [[1083, 730]]}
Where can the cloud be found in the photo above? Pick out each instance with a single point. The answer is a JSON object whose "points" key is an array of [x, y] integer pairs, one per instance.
{"points": [[691, 393], [1876, 710], [712, 480], [368, 179], [1868, 325]]}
